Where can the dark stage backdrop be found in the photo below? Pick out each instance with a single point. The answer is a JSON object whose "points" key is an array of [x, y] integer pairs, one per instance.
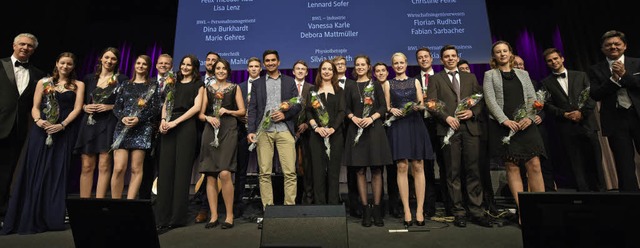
{"points": [[148, 27]]}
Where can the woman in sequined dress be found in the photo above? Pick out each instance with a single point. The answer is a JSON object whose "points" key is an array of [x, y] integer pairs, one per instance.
{"points": [[137, 102]]}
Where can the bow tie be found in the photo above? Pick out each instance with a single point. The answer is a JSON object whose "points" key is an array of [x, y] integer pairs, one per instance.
{"points": [[562, 75], [24, 65]]}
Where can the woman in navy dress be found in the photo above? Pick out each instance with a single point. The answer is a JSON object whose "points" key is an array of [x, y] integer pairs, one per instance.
{"points": [[137, 102], [372, 149], [408, 136], [37, 202], [178, 146], [98, 123], [220, 161], [326, 168]]}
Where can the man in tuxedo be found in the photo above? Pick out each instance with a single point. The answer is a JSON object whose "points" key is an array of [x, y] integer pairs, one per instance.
{"points": [[615, 82], [267, 94], [210, 60], [163, 65], [575, 120], [355, 207], [253, 68], [18, 80], [462, 153], [300, 71], [425, 60]]}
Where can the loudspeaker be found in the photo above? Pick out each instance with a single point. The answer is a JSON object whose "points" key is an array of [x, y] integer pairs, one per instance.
{"points": [[304, 226], [112, 223]]}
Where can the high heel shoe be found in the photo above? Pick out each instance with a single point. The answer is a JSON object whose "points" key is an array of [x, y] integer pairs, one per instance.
{"points": [[211, 224], [420, 223], [407, 224]]}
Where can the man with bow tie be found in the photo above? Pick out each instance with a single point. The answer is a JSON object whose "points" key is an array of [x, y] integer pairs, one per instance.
{"points": [[575, 121], [18, 80], [615, 82]]}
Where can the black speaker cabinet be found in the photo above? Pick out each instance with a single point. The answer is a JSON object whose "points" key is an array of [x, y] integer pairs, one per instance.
{"points": [[304, 226], [98, 223]]}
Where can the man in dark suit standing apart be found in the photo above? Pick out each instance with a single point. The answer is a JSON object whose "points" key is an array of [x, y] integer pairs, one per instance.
{"points": [[425, 60], [267, 93], [575, 121], [615, 82], [18, 80], [300, 71], [355, 206], [254, 68], [462, 153]]}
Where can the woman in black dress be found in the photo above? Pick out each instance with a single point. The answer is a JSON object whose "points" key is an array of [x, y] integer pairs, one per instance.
{"points": [[506, 89], [137, 102], [222, 104], [366, 143], [178, 146], [98, 123], [37, 202], [325, 114]]}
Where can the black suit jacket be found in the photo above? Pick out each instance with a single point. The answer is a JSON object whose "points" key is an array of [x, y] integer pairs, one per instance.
{"points": [[258, 102], [440, 88], [605, 91], [15, 109], [558, 103], [303, 104]]}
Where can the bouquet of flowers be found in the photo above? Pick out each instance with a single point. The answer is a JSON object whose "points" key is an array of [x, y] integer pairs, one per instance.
{"points": [[435, 105], [465, 104], [170, 88], [100, 95], [520, 113], [51, 108], [367, 100], [323, 117], [140, 105], [583, 97], [406, 109], [538, 103], [217, 104], [265, 123]]}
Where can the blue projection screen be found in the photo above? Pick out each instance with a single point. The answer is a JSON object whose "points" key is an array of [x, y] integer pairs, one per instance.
{"points": [[315, 30]]}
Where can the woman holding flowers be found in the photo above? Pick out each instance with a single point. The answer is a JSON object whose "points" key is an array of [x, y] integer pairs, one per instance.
{"points": [[98, 123], [366, 144], [221, 105], [178, 146], [37, 202], [137, 102], [407, 134], [325, 114], [509, 91]]}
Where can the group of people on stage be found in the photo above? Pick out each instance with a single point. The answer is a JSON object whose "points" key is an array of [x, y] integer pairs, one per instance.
{"points": [[402, 125]]}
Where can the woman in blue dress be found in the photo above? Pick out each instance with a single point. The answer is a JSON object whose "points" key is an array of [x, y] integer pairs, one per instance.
{"points": [[37, 202], [98, 123], [137, 102], [408, 136]]}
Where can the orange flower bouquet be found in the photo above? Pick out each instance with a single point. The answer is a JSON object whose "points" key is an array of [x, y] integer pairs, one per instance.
{"points": [[51, 108], [141, 103], [367, 100], [464, 104], [323, 117], [98, 96]]}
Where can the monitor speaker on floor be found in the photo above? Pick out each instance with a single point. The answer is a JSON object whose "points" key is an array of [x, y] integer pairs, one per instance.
{"points": [[98, 223], [304, 226]]}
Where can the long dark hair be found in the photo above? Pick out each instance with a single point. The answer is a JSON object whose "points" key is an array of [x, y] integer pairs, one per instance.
{"points": [[334, 78], [146, 76], [115, 52], [195, 63], [70, 84]]}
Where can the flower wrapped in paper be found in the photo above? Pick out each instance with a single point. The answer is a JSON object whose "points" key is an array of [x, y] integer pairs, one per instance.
{"points": [[520, 113], [367, 100], [51, 108], [407, 108], [265, 123], [216, 105], [583, 97], [169, 90], [464, 104], [538, 103], [323, 118], [100, 95]]}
